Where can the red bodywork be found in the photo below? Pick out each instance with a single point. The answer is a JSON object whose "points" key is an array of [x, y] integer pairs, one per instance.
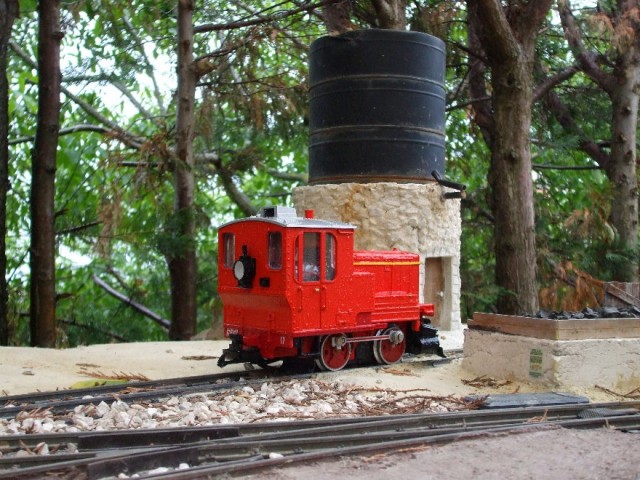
{"points": [[288, 306]]}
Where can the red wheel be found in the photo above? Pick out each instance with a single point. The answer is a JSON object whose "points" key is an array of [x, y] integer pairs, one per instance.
{"points": [[390, 350], [334, 352]]}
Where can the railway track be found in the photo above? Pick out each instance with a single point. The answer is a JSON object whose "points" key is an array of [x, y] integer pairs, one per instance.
{"points": [[237, 449], [61, 401], [64, 400]]}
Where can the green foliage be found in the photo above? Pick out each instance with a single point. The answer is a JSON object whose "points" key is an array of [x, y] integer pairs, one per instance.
{"points": [[114, 193]]}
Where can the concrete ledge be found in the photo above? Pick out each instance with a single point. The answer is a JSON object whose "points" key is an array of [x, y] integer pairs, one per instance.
{"points": [[613, 363], [566, 329]]}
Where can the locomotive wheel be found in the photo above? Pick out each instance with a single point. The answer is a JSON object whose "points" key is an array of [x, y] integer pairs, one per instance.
{"points": [[334, 353], [391, 350]]}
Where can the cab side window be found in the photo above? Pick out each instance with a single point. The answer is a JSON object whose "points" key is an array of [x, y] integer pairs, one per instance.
{"points": [[228, 249], [330, 257], [275, 250], [311, 257]]}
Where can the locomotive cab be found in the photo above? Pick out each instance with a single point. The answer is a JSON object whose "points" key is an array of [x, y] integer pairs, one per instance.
{"points": [[293, 287]]}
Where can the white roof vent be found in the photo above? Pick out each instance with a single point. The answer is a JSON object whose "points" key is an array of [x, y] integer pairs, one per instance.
{"points": [[277, 212]]}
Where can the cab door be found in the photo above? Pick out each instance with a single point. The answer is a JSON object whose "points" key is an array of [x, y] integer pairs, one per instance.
{"points": [[315, 272]]}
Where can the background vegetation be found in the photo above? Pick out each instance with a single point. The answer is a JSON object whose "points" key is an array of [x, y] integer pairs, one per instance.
{"points": [[115, 221]]}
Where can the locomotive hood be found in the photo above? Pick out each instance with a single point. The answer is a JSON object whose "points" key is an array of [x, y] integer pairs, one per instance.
{"points": [[287, 217]]}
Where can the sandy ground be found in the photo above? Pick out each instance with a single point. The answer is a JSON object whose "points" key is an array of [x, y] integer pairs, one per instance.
{"points": [[24, 369], [543, 454]]}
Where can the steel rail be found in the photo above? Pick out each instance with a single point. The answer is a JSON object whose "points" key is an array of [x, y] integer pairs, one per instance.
{"points": [[58, 401], [213, 458], [335, 435], [266, 430]]}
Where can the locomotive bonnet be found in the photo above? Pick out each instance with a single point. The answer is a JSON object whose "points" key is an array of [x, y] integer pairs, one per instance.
{"points": [[293, 289]]}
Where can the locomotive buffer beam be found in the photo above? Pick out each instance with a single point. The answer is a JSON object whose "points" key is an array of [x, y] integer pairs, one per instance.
{"points": [[236, 353], [424, 341]]}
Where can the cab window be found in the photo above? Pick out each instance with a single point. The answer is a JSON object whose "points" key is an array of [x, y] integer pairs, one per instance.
{"points": [[275, 250], [228, 249], [330, 257], [311, 257]]}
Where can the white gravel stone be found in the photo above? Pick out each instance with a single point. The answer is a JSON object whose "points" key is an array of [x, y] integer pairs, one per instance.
{"points": [[298, 399]]}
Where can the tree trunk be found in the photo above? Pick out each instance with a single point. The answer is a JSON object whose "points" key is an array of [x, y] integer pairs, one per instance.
{"points": [[508, 41], [391, 13], [512, 189], [43, 298], [622, 168], [182, 260], [8, 13]]}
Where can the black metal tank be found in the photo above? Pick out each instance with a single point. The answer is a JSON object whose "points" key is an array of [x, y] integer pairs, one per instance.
{"points": [[377, 107]]}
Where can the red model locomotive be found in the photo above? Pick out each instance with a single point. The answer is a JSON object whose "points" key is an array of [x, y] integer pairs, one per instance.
{"points": [[295, 288]]}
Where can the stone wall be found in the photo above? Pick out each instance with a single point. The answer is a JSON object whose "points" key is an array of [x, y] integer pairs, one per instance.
{"points": [[613, 363], [410, 217]]}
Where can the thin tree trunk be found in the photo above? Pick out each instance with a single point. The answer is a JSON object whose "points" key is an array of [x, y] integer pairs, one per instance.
{"points": [[43, 328], [182, 260], [622, 169], [8, 13]]}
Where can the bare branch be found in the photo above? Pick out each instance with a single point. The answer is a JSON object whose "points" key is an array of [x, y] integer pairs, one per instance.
{"points": [[74, 323], [127, 93], [65, 131], [566, 120], [148, 67], [79, 228], [232, 190], [119, 133], [554, 80], [297, 177], [286, 33], [586, 59], [538, 166], [214, 27], [163, 322]]}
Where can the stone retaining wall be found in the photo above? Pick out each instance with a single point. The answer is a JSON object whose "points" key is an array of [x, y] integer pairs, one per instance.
{"points": [[613, 363]]}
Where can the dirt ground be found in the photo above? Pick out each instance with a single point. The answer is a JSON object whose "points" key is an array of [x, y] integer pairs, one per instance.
{"points": [[540, 454]]}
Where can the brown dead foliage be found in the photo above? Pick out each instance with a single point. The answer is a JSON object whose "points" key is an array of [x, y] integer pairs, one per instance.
{"points": [[632, 395], [115, 375], [484, 381]]}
